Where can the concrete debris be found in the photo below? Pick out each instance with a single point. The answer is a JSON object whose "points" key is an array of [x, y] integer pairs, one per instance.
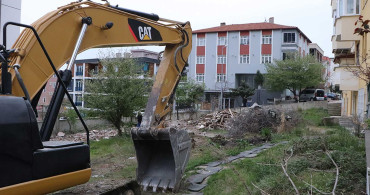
{"points": [[215, 120], [255, 105], [95, 135]]}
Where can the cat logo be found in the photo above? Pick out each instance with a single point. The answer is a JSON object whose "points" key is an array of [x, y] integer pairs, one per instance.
{"points": [[144, 33], [141, 31]]}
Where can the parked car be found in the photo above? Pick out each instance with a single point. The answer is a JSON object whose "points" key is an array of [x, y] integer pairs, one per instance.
{"points": [[312, 95], [333, 96]]}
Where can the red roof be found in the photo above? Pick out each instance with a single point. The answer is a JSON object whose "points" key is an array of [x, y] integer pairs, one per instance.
{"points": [[249, 26]]}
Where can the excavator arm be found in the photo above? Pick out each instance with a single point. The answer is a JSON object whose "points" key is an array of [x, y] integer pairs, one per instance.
{"points": [[111, 26]]}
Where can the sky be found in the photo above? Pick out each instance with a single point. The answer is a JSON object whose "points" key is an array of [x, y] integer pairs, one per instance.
{"points": [[312, 17]]}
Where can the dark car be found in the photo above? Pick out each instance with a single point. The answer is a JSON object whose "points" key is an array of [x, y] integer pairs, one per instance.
{"points": [[332, 96]]}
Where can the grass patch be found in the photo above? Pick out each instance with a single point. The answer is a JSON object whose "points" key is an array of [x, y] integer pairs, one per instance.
{"points": [[111, 158], [309, 161], [116, 146], [314, 116]]}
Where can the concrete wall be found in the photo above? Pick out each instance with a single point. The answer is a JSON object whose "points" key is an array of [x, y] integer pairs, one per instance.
{"points": [[292, 106]]}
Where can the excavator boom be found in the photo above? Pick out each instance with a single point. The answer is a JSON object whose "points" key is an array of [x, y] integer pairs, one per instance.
{"points": [[51, 41]]}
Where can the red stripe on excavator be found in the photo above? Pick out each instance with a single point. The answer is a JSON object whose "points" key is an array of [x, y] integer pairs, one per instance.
{"points": [[133, 34]]}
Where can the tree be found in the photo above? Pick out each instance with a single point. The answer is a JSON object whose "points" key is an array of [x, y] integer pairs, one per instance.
{"points": [[244, 91], [118, 90], [188, 93], [259, 79], [294, 74]]}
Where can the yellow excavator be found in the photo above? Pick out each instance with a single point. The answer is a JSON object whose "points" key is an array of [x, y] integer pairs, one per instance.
{"points": [[32, 164]]}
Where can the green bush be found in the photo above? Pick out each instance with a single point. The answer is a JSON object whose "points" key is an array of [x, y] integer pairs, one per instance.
{"points": [[266, 133]]}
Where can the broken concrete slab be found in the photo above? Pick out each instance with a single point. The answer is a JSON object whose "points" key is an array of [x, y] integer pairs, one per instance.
{"points": [[196, 187], [213, 164], [194, 193], [198, 178], [211, 170], [230, 159], [247, 155]]}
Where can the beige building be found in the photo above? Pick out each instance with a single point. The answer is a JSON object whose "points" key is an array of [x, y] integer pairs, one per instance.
{"points": [[345, 48]]}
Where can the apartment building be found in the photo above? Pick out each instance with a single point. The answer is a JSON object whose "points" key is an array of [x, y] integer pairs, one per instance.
{"points": [[84, 70], [363, 60], [224, 56], [345, 46], [10, 11]]}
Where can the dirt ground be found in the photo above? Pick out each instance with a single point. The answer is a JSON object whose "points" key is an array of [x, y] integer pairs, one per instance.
{"points": [[104, 177]]}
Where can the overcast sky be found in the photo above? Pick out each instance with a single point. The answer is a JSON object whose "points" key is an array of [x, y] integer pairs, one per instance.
{"points": [[313, 17]]}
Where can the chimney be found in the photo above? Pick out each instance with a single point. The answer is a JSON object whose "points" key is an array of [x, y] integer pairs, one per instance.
{"points": [[222, 23], [271, 20]]}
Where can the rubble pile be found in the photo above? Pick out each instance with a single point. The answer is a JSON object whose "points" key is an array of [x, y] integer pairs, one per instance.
{"points": [[95, 135], [215, 120]]}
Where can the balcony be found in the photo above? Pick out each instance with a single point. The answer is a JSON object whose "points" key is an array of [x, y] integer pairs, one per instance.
{"points": [[344, 38]]}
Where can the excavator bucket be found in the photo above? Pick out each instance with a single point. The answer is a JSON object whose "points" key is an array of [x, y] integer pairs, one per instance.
{"points": [[161, 158]]}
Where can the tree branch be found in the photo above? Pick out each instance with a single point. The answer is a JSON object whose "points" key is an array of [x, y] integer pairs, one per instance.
{"points": [[337, 175], [284, 166], [262, 192], [241, 178]]}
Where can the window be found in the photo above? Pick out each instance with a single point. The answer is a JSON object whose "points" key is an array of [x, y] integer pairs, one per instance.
{"points": [[222, 41], [288, 55], [201, 60], [78, 100], [221, 77], [349, 7], [52, 84], [201, 41], [200, 77], [78, 85], [266, 59], [221, 59], [70, 86], [244, 59], [289, 37], [44, 100], [44, 89], [266, 39], [244, 40], [79, 70]]}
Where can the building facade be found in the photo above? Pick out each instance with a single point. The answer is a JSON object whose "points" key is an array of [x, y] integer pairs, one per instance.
{"points": [[345, 46], [10, 11], [84, 70], [224, 56]]}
